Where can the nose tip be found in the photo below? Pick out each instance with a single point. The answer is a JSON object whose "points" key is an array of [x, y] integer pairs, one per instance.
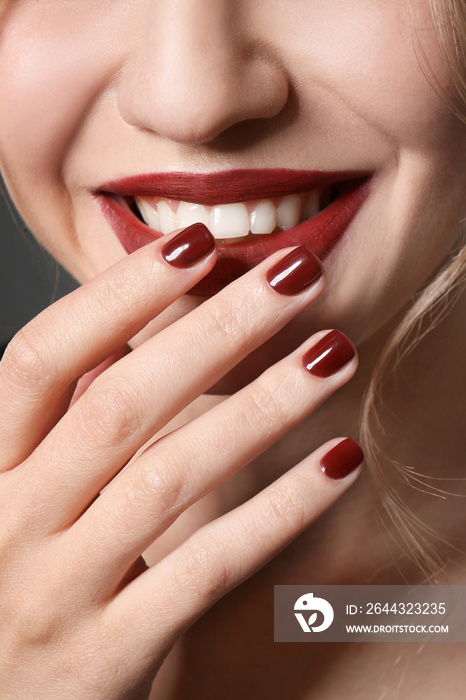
{"points": [[195, 105], [190, 76]]}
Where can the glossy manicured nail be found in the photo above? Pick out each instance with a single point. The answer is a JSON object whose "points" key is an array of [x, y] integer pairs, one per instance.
{"points": [[295, 272], [342, 459], [329, 355], [189, 246]]}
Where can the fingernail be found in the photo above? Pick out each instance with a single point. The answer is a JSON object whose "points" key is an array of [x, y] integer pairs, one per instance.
{"points": [[329, 355], [295, 272], [342, 459], [189, 246]]}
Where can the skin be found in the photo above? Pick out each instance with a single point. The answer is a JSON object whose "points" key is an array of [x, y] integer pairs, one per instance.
{"points": [[98, 91]]}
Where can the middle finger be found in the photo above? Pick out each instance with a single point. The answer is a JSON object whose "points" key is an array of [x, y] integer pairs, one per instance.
{"points": [[136, 397], [178, 470]]}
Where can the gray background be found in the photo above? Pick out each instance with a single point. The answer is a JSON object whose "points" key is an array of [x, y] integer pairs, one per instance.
{"points": [[29, 279]]}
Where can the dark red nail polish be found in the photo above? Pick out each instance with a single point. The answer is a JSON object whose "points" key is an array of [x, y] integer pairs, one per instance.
{"points": [[189, 246], [330, 354], [342, 459], [295, 272]]}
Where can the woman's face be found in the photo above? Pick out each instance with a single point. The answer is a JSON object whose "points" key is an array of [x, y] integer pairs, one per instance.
{"points": [[94, 91]]}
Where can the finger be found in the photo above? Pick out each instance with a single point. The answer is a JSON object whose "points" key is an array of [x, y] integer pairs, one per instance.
{"points": [[86, 380], [133, 399], [141, 503], [168, 598], [43, 361]]}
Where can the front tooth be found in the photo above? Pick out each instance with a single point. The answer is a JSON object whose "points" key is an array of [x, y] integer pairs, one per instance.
{"points": [[149, 214], [229, 221], [289, 212], [189, 213], [263, 218], [167, 217], [311, 206]]}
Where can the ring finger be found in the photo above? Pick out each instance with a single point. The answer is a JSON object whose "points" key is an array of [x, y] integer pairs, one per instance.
{"points": [[169, 476]]}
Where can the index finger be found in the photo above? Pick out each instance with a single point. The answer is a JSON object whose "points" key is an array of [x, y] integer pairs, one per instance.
{"points": [[78, 332]]}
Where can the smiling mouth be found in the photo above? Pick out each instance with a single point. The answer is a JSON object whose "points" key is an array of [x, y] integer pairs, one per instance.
{"points": [[237, 221], [251, 213]]}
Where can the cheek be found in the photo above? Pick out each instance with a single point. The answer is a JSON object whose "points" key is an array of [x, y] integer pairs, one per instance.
{"points": [[362, 59], [52, 67], [375, 89], [389, 89]]}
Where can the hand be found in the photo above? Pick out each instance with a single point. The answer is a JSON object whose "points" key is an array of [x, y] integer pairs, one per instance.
{"points": [[81, 615]]}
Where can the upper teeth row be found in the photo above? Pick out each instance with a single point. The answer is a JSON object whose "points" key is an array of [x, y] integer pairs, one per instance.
{"points": [[229, 220]]}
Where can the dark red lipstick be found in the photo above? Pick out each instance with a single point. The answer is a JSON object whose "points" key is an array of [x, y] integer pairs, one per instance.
{"points": [[320, 234]]}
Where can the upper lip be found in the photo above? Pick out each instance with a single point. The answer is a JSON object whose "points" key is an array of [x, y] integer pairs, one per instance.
{"points": [[222, 187]]}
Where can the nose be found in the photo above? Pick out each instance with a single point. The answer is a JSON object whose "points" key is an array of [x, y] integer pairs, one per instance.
{"points": [[194, 70]]}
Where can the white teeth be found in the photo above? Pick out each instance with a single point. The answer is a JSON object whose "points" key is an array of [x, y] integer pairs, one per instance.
{"points": [[229, 221], [149, 214], [263, 218], [189, 213], [167, 217], [289, 212]]}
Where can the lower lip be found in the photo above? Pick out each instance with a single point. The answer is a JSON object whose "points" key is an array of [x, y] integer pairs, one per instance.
{"points": [[321, 234]]}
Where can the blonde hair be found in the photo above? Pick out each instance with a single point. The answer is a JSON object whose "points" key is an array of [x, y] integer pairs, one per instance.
{"points": [[420, 542]]}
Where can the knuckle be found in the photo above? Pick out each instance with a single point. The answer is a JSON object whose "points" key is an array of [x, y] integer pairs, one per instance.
{"points": [[218, 322], [34, 618], [235, 320], [110, 413], [161, 484], [227, 320], [32, 626], [270, 401], [25, 359], [120, 292], [285, 509], [203, 569], [155, 486]]}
